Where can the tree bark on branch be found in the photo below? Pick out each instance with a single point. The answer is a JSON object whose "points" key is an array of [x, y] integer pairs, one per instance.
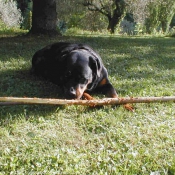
{"points": [[91, 102]]}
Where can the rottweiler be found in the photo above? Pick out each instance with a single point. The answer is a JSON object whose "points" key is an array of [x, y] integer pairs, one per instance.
{"points": [[76, 68]]}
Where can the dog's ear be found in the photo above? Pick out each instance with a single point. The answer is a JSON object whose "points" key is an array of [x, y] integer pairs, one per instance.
{"points": [[95, 65]]}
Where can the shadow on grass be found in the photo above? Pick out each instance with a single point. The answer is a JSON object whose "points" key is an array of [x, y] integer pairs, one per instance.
{"points": [[23, 84], [155, 50]]}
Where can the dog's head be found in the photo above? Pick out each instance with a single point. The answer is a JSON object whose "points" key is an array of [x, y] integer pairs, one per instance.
{"points": [[82, 72]]}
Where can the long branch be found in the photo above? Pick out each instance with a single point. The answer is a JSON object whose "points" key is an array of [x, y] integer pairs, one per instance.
{"points": [[99, 102], [93, 7]]}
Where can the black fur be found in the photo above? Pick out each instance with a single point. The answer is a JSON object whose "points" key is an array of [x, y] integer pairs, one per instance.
{"points": [[75, 67]]}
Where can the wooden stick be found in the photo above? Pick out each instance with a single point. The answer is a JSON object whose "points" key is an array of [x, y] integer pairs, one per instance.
{"points": [[100, 102]]}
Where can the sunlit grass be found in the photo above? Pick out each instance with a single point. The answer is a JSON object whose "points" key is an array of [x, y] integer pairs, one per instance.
{"points": [[81, 140]]}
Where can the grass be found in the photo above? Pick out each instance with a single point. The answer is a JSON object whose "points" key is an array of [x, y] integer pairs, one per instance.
{"points": [[80, 140]]}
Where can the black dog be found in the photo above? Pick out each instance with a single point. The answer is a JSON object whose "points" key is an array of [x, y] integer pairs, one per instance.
{"points": [[75, 67]]}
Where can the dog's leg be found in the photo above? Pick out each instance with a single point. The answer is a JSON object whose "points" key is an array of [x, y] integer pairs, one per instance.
{"points": [[106, 88]]}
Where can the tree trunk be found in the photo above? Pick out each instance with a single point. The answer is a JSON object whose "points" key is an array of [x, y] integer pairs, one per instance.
{"points": [[112, 23], [164, 26], [117, 15], [44, 17]]}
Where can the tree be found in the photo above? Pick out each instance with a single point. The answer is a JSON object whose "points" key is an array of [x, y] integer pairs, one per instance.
{"points": [[154, 14], [160, 15], [113, 9], [44, 17]]}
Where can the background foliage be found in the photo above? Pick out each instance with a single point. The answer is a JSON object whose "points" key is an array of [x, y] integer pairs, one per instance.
{"points": [[146, 16], [10, 14]]}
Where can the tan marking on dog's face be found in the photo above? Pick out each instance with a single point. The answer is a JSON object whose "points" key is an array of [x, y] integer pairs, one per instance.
{"points": [[103, 82], [80, 89]]}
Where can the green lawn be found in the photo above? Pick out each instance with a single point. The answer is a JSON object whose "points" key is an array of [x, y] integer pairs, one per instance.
{"points": [[80, 140]]}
